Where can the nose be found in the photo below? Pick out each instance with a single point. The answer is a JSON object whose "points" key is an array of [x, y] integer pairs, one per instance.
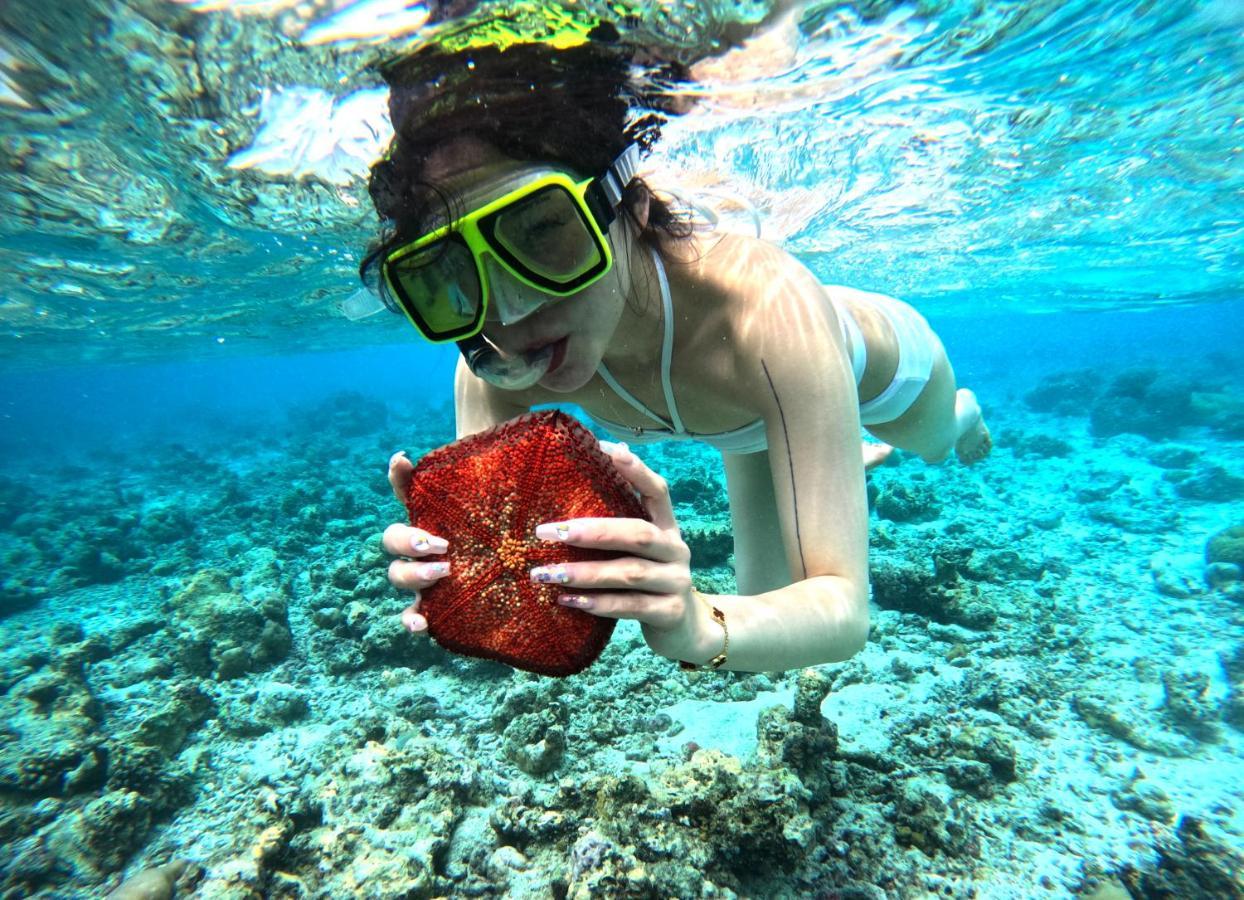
{"points": [[510, 300]]}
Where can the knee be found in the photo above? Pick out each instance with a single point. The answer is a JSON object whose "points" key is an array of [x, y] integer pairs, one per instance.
{"points": [[937, 454]]}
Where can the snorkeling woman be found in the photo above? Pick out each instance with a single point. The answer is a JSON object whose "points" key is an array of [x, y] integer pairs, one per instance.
{"points": [[517, 228]]}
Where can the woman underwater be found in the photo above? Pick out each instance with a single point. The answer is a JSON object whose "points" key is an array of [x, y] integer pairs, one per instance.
{"points": [[516, 228]]}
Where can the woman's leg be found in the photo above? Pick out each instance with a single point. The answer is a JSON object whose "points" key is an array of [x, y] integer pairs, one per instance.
{"points": [[943, 417]]}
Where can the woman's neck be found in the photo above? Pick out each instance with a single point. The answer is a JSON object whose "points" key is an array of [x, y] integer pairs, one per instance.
{"points": [[636, 342]]}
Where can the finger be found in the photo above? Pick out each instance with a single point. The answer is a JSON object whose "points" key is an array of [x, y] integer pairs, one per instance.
{"points": [[658, 610], [653, 490], [403, 540], [634, 537], [409, 575], [628, 573], [400, 469], [412, 621]]}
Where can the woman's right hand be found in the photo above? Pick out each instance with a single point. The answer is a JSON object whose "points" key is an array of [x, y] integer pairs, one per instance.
{"points": [[409, 545]]}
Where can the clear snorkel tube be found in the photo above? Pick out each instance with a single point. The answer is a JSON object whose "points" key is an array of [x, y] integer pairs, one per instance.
{"points": [[362, 304], [717, 211], [511, 373]]}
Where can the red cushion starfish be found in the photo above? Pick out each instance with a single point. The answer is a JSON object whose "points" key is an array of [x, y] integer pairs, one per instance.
{"points": [[486, 494]]}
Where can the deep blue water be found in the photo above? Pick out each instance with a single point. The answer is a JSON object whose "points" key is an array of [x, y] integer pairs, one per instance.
{"points": [[77, 409]]}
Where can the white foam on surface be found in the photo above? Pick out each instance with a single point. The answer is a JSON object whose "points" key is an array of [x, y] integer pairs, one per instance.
{"points": [[309, 133]]}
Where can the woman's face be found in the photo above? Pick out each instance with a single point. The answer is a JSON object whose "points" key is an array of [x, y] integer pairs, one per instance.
{"points": [[578, 328]]}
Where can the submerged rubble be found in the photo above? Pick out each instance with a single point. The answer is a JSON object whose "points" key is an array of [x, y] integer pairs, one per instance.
{"points": [[249, 717]]}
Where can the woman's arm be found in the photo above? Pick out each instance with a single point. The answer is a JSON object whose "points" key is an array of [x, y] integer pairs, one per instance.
{"points": [[813, 509]]}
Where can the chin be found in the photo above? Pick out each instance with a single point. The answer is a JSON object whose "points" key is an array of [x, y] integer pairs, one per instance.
{"points": [[566, 379]]}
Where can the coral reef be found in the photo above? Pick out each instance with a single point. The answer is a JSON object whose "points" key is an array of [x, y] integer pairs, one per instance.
{"points": [[698, 493], [1233, 704], [902, 501], [1054, 676], [1193, 864], [54, 746], [83, 786], [1149, 800], [1064, 393], [711, 544], [1188, 706], [355, 618], [1035, 445], [1226, 546], [159, 882], [1128, 723], [946, 594], [262, 709], [225, 634], [1143, 401], [1210, 483]]}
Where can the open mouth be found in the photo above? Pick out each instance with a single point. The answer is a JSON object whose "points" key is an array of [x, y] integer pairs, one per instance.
{"points": [[559, 354]]}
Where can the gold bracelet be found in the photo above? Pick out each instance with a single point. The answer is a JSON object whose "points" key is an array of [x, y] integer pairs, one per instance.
{"points": [[720, 659]]}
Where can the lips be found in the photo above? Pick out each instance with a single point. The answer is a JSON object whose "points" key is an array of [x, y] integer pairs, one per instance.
{"points": [[557, 346], [559, 354], [537, 345]]}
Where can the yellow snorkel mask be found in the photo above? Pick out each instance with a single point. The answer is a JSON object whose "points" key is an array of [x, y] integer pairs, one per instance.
{"points": [[538, 227]]}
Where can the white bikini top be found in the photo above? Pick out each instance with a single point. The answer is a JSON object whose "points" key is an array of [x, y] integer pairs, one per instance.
{"points": [[747, 439], [750, 438]]}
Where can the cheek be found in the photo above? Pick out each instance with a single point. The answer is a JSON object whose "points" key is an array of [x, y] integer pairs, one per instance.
{"points": [[599, 316]]}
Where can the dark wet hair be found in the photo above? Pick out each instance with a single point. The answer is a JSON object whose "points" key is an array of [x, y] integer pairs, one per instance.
{"points": [[576, 108]]}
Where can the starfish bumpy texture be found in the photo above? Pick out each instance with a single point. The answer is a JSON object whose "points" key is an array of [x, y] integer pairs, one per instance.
{"points": [[486, 494]]}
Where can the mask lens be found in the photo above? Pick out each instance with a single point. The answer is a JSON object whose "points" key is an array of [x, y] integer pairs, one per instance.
{"points": [[546, 233], [438, 285]]}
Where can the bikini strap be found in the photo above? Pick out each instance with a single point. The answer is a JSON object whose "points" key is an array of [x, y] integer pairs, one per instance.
{"points": [[667, 356], [667, 343]]}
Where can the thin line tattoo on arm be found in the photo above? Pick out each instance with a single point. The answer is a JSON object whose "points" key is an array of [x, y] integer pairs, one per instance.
{"points": [[790, 462]]}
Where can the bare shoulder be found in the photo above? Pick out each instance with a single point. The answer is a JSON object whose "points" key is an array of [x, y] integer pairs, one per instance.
{"points": [[770, 300], [860, 303]]}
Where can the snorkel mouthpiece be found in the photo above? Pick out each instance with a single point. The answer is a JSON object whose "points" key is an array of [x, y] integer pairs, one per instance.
{"points": [[510, 373]]}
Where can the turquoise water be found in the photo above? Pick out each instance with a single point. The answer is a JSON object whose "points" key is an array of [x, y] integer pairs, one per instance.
{"points": [[199, 656]]}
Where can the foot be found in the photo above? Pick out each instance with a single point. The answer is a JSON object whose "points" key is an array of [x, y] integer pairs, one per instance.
{"points": [[974, 441], [875, 454]]}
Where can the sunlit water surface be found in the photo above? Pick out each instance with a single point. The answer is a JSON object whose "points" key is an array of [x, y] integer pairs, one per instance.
{"points": [[187, 179]]}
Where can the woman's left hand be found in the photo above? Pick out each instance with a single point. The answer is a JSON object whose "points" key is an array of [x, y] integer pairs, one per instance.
{"points": [[652, 582]]}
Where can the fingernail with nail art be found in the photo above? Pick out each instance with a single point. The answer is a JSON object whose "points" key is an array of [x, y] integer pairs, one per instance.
{"points": [[578, 601], [422, 542], [550, 574], [435, 570], [553, 531]]}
